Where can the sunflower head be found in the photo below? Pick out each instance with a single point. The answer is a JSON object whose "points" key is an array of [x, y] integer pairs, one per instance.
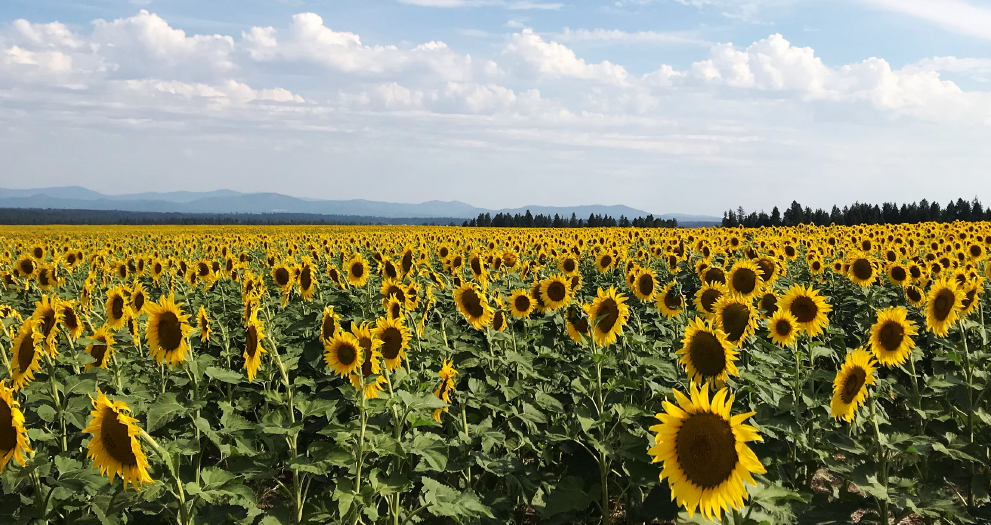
{"points": [[745, 280], [807, 307], [555, 292], [707, 297], [13, 437], [167, 331], [520, 303], [26, 350], [446, 387], [669, 300], [117, 309], [706, 354], [473, 305], [850, 385], [102, 351], [330, 323], [343, 353], [114, 448], [254, 332], [736, 317], [395, 338], [944, 304], [891, 336], [357, 270], [608, 313], [783, 328], [203, 323], [645, 285]]}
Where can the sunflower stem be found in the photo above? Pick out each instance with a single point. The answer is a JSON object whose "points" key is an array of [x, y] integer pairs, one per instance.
{"points": [[184, 518], [40, 501], [969, 373], [882, 458], [360, 446], [57, 400]]}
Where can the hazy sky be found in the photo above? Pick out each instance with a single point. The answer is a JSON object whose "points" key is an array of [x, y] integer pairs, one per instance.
{"points": [[689, 106]]}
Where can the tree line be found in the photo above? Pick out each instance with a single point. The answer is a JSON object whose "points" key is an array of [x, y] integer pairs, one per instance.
{"points": [[861, 213], [528, 220], [37, 216]]}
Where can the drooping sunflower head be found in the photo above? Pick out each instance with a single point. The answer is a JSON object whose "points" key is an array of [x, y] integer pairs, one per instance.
{"points": [[48, 315], [783, 328], [499, 321], [330, 323], [26, 354], [736, 318], [706, 354], [393, 288], [14, 441], [745, 280], [704, 451], [945, 301], [555, 292], [116, 308], [807, 307], [914, 295], [307, 280], [101, 352], [645, 285], [343, 353], [254, 332], [850, 385], [70, 319], [167, 331], [891, 336], [395, 339], [203, 323], [520, 303], [114, 448], [972, 291], [768, 303], [577, 324], [446, 388], [473, 305], [669, 300], [608, 313]]}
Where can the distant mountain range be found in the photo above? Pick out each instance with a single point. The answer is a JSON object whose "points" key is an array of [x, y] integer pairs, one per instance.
{"points": [[228, 201]]}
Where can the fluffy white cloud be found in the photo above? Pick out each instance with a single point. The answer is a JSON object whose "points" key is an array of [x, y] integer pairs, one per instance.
{"points": [[976, 68], [557, 60], [229, 92]]}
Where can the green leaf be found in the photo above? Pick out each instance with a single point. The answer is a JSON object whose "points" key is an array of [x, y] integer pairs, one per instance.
{"points": [[432, 449], [163, 410], [442, 500], [227, 376]]}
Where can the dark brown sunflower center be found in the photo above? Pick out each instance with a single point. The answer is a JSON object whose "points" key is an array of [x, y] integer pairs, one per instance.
{"points": [[117, 307], [392, 342], [498, 321], [25, 353], [444, 252], [38, 253], [709, 298], [706, 450], [581, 325], [606, 260], [281, 276], [398, 292], [804, 309], [735, 319], [169, 331], [69, 319], [891, 335], [943, 304], [476, 266], [852, 384], [203, 269], [139, 301], [769, 303], [783, 328], [744, 281], [714, 275], [913, 294], [672, 300], [707, 354], [646, 285], [898, 274], [99, 352], [47, 322], [569, 265], [610, 310], [43, 279], [522, 303], [306, 278], [251, 340], [157, 269], [115, 439], [346, 354], [556, 291], [473, 304], [862, 269], [407, 262], [8, 433], [366, 364], [390, 270], [328, 327], [975, 250], [396, 309]]}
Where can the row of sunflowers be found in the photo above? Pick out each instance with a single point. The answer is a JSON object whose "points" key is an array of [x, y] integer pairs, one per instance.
{"points": [[275, 375]]}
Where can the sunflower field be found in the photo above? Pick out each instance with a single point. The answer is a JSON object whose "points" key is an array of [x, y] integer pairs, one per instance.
{"points": [[404, 375]]}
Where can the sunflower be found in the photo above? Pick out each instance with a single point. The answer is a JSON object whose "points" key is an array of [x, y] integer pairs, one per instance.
{"points": [[394, 308], [157, 269], [568, 264], [25, 266], [167, 331], [13, 436], [808, 307], [705, 453], [116, 306], [335, 275], [783, 328], [555, 292], [645, 285], [369, 344], [577, 325], [745, 280], [473, 305], [898, 274], [254, 332], [520, 304], [307, 280], [114, 448], [394, 288], [101, 352], [768, 303], [707, 297], [914, 295], [706, 354], [850, 385], [499, 321], [70, 319], [971, 296], [669, 301], [343, 353], [609, 314], [203, 323], [861, 270], [26, 350], [736, 318], [357, 270], [330, 323], [446, 388], [945, 301], [604, 261], [891, 337], [138, 298], [48, 277], [395, 339], [48, 315]]}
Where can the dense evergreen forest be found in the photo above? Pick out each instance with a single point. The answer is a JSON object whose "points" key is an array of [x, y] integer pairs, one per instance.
{"points": [[59, 216], [505, 220], [861, 213]]}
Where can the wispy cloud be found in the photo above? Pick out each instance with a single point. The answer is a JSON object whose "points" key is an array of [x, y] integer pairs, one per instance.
{"points": [[516, 5], [615, 35], [956, 15]]}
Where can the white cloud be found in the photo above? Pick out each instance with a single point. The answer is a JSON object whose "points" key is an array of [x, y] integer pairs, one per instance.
{"points": [[515, 5], [976, 68], [615, 35], [955, 15], [557, 60]]}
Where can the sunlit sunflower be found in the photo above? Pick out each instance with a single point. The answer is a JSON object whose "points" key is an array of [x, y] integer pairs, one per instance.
{"points": [[254, 332], [745, 280], [114, 448], [944, 303], [971, 296], [330, 323], [48, 315], [520, 304], [446, 388], [608, 314], [473, 305], [369, 344], [736, 318], [669, 300], [101, 352], [343, 353], [139, 298], [768, 303], [307, 280], [70, 319], [499, 321], [394, 288], [706, 354], [13, 437], [48, 277], [704, 451], [357, 270], [334, 275], [25, 267], [555, 292], [645, 285], [395, 339], [891, 336], [707, 297], [568, 264], [914, 295], [394, 308], [898, 274], [604, 261], [808, 307], [850, 385], [783, 328], [26, 350], [203, 323], [116, 307], [167, 331]]}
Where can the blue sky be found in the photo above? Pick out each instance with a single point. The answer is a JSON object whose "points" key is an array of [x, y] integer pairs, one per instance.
{"points": [[689, 106]]}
